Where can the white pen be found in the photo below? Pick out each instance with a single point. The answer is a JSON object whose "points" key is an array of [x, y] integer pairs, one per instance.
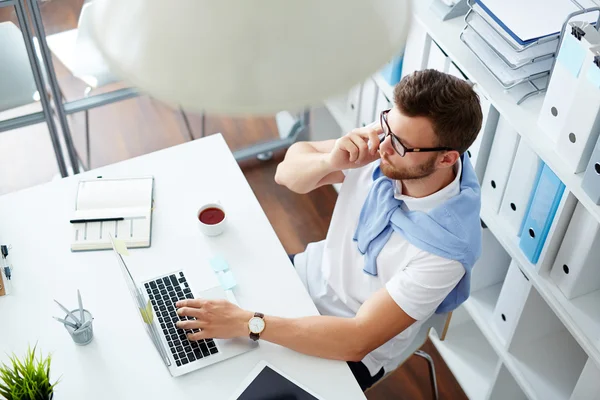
{"points": [[69, 313], [66, 322], [83, 326], [80, 305]]}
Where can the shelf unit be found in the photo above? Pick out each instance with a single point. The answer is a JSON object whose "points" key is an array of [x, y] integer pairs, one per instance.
{"points": [[468, 354], [545, 352], [506, 387], [336, 107], [483, 301], [510, 367], [574, 314]]}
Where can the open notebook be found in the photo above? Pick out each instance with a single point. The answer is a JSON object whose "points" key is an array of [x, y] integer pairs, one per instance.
{"points": [[105, 198]]}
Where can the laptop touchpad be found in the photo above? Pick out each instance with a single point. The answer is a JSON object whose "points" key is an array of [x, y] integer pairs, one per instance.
{"points": [[216, 293]]}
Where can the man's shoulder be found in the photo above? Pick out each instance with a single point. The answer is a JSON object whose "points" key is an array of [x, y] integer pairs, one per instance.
{"points": [[361, 174], [398, 247]]}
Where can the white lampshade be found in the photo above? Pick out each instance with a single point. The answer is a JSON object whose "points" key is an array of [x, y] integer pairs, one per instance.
{"points": [[248, 56]]}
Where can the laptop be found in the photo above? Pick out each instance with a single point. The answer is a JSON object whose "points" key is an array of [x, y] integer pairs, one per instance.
{"points": [[156, 300]]}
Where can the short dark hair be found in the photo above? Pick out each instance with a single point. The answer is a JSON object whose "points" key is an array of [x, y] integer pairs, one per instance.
{"points": [[449, 103]]}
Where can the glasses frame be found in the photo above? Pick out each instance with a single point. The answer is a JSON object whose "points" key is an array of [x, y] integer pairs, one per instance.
{"points": [[397, 144]]}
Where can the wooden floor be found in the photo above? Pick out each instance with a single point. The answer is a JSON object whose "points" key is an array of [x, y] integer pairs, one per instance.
{"points": [[142, 125]]}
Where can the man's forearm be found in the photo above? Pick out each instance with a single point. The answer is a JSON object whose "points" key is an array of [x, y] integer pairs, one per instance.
{"points": [[303, 168], [321, 336]]}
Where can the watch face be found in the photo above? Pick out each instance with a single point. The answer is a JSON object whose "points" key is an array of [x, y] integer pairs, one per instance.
{"points": [[256, 325]]}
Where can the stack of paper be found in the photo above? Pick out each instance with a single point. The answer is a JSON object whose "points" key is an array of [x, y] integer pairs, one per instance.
{"points": [[528, 21], [508, 76], [497, 41], [517, 40]]}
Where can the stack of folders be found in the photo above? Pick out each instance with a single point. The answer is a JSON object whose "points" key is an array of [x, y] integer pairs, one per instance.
{"points": [[521, 189], [516, 41]]}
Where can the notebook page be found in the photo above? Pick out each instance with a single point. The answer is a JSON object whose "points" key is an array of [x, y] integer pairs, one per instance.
{"points": [[115, 193]]}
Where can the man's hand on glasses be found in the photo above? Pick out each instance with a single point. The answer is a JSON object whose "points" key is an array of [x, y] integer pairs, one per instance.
{"points": [[357, 148]]}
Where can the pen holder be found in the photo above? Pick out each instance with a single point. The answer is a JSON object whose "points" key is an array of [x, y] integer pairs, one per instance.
{"points": [[85, 334]]}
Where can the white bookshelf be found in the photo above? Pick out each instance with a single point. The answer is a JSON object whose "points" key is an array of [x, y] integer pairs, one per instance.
{"points": [[484, 300], [588, 385], [554, 337], [469, 355], [546, 354], [483, 323], [337, 108], [505, 387], [580, 315], [385, 87]]}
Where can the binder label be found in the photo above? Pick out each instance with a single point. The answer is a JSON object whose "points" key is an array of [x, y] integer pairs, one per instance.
{"points": [[593, 75], [544, 199], [571, 55]]}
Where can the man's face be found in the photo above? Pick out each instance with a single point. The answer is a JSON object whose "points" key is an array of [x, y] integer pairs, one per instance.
{"points": [[413, 132]]}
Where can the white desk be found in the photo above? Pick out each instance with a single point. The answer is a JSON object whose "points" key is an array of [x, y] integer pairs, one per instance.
{"points": [[121, 362]]}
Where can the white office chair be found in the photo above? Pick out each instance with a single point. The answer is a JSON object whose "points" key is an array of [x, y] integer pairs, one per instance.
{"points": [[440, 323], [17, 86], [77, 52]]}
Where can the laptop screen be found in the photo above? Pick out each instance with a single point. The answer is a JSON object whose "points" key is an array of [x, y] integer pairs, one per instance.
{"points": [[140, 303], [137, 296]]}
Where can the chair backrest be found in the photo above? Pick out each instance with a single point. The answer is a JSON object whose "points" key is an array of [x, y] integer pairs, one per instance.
{"points": [[88, 61], [439, 322], [17, 86]]}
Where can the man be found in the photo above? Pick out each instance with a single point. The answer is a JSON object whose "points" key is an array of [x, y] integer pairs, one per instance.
{"points": [[404, 233]]}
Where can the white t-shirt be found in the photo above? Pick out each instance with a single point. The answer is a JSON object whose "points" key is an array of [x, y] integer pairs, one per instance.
{"points": [[418, 281]]}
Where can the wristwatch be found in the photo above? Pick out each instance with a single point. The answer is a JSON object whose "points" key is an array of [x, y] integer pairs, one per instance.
{"points": [[256, 325]]}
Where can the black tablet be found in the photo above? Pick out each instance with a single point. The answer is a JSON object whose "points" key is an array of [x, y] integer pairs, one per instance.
{"points": [[267, 383]]}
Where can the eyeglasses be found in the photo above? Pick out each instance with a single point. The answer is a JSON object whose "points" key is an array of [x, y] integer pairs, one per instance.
{"points": [[400, 148]]}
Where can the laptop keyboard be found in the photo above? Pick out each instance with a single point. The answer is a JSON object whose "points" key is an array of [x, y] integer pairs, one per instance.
{"points": [[164, 293]]}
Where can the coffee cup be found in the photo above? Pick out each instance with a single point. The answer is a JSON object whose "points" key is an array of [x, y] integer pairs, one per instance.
{"points": [[211, 218]]}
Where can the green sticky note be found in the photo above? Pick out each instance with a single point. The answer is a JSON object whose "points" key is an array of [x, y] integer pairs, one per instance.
{"points": [[218, 263], [147, 314], [121, 247], [226, 280]]}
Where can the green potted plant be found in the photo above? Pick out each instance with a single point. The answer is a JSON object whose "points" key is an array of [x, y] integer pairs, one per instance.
{"points": [[27, 379]]}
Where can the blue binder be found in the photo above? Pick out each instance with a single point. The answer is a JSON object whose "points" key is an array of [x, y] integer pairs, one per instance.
{"points": [[392, 72], [540, 213]]}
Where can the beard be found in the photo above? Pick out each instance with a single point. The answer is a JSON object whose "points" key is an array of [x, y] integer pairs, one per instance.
{"points": [[415, 172]]}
